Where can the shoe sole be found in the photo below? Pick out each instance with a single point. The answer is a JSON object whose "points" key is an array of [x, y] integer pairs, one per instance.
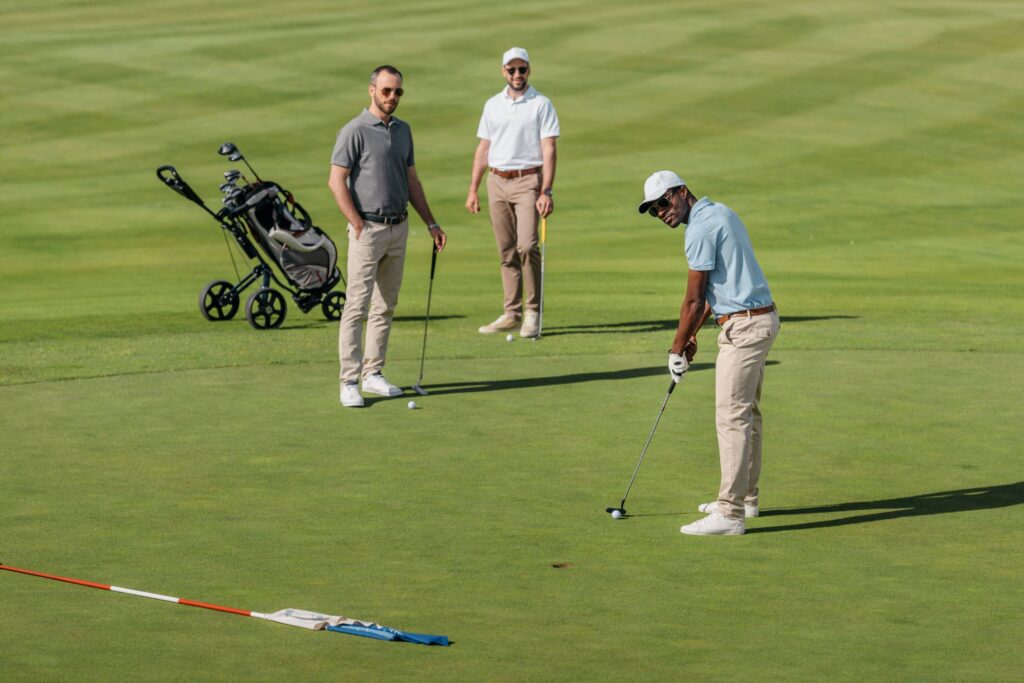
{"points": [[724, 533], [386, 394], [746, 512]]}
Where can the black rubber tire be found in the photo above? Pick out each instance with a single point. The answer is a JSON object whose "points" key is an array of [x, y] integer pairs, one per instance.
{"points": [[332, 305], [218, 301], [266, 309]]}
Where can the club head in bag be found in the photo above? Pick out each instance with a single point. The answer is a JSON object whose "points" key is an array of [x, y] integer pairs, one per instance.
{"points": [[237, 156], [227, 148], [232, 175]]}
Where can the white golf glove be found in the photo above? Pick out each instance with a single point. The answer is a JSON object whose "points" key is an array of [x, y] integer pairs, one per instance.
{"points": [[677, 366]]}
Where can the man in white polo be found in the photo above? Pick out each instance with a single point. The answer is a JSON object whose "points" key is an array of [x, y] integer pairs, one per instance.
{"points": [[373, 180], [724, 279], [517, 134]]}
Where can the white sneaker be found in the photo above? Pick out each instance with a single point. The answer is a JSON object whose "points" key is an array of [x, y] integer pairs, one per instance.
{"points": [[378, 384], [350, 396], [531, 325], [715, 525], [504, 322], [708, 508]]}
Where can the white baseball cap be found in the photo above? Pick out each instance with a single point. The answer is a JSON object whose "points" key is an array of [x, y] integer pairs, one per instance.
{"points": [[514, 53], [656, 185]]}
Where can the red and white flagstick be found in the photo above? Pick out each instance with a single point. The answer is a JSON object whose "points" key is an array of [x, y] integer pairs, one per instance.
{"points": [[141, 594]]}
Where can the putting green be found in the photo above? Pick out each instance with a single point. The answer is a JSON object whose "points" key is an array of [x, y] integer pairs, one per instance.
{"points": [[871, 150]]}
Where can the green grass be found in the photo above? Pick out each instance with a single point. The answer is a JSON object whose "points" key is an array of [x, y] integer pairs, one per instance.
{"points": [[874, 153]]}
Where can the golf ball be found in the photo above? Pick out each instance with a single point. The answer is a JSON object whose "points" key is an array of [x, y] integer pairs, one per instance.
{"points": [[509, 337], [412, 405], [616, 514]]}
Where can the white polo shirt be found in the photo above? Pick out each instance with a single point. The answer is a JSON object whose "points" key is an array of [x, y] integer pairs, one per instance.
{"points": [[515, 128]]}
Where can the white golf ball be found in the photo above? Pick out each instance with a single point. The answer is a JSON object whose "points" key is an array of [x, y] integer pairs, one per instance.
{"points": [[412, 405], [616, 514], [509, 337]]}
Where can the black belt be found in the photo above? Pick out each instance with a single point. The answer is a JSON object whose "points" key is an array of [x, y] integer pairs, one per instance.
{"points": [[386, 220]]}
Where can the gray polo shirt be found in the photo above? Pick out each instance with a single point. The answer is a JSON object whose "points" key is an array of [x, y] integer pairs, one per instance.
{"points": [[378, 155]]}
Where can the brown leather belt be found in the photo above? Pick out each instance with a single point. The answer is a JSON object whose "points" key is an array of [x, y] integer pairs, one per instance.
{"points": [[723, 319], [516, 174]]}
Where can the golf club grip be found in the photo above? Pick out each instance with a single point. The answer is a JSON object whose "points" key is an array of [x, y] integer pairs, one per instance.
{"points": [[433, 262]]}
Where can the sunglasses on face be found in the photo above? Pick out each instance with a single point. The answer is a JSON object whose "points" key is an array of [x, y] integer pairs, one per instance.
{"points": [[521, 70], [661, 203], [386, 92]]}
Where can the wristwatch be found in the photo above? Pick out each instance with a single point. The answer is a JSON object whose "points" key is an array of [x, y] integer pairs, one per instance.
{"points": [[548, 192], [433, 226]]}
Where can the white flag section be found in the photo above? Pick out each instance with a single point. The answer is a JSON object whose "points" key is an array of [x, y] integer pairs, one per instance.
{"points": [[314, 621]]}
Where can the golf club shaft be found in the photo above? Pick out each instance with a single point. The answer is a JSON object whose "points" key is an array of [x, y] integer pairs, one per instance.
{"points": [[543, 245], [671, 387], [426, 319]]}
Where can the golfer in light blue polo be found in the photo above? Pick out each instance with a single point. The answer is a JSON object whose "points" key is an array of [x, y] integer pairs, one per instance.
{"points": [[725, 280]]}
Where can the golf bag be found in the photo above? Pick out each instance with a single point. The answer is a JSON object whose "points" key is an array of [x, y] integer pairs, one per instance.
{"points": [[272, 229]]}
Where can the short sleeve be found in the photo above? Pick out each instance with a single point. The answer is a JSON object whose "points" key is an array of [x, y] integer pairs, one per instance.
{"points": [[483, 131], [701, 250], [548, 121], [347, 148]]}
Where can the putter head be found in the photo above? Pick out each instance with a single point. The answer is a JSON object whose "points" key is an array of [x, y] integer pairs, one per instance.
{"points": [[419, 390], [622, 511]]}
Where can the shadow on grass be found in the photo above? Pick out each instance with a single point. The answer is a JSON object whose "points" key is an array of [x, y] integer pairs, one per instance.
{"points": [[960, 500], [553, 380], [666, 325]]}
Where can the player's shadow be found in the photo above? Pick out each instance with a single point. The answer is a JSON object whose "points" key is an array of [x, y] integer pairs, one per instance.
{"points": [[665, 325], [960, 500], [554, 380]]}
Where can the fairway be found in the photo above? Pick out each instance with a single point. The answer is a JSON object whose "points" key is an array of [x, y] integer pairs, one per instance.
{"points": [[874, 150]]}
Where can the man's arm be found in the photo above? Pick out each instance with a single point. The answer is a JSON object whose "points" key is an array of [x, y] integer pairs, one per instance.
{"points": [[479, 166], [338, 182], [692, 313], [550, 153], [419, 202]]}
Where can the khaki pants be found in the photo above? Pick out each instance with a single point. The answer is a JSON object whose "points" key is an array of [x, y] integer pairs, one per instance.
{"points": [[513, 205], [743, 345], [375, 264]]}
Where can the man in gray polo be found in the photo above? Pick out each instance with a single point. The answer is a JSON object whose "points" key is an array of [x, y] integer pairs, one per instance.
{"points": [[726, 280], [373, 179], [517, 131]]}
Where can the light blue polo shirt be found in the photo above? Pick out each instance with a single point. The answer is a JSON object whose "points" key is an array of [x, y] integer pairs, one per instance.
{"points": [[717, 242]]}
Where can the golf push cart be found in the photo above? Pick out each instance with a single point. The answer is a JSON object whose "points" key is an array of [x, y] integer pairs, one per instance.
{"points": [[296, 255]]}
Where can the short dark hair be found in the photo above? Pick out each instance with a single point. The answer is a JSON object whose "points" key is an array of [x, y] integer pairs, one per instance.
{"points": [[384, 67]]}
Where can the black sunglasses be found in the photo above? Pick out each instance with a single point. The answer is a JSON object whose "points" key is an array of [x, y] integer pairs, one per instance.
{"points": [[386, 92], [661, 202], [513, 69]]}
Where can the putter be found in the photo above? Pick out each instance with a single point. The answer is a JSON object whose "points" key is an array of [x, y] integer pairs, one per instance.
{"points": [[543, 245], [426, 320], [622, 505]]}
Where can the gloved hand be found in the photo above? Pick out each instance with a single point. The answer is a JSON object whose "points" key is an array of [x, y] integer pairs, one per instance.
{"points": [[677, 366]]}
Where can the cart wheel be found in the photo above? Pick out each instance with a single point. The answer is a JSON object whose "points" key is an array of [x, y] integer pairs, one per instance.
{"points": [[218, 301], [332, 305], [265, 309]]}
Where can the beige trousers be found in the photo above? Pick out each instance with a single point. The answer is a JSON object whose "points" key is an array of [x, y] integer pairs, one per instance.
{"points": [[743, 346], [513, 205], [375, 264]]}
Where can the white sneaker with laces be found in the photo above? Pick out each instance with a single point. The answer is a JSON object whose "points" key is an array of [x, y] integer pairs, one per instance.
{"points": [[504, 322], [715, 525], [708, 508], [531, 325], [378, 384], [350, 396]]}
